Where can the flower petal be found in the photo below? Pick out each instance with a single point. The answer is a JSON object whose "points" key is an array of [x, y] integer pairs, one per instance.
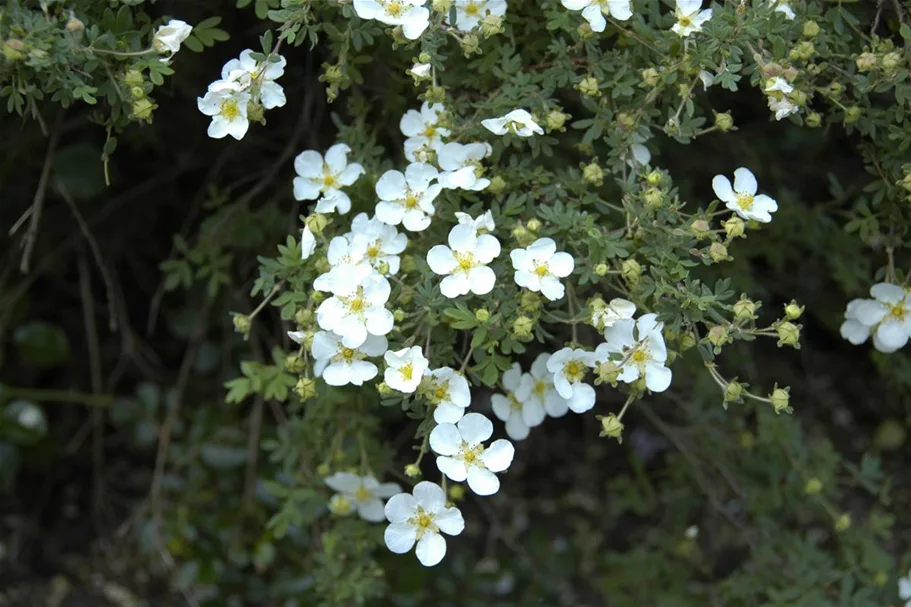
{"points": [[445, 439], [745, 181], [432, 547], [400, 537], [482, 481], [723, 190], [474, 428], [400, 508], [498, 456]]}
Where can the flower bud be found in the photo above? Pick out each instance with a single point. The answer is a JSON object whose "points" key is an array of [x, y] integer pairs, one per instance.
{"points": [[810, 29], [733, 392], [332, 74], [626, 121], [242, 324], [585, 31], [865, 62], [398, 315], [533, 224], [522, 327], [650, 77], [719, 335], [142, 109], [408, 264], [13, 49], [317, 222], [435, 94], [611, 426], [687, 341], [74, 25], [441, 6], [519, 232], [608, 373], [305, 388], [384, 389], [734, 227], [482, 314], [530, 301], [470, 45], [793, 311], [718, 252], [255, 111], [843, 522], [631, 270], [317, 297], [891, 60], [589, 86], [303, 316], [798, 97], [322, 265], [323, 469], [724, 121], [744, 310], [491, 25], [295, 364], [853, 114], [556, 120], [136, 92], [456, 493], [788, 334], [339, 505], [813, 486], [813, 120], [497, 185], [133, 78], [780, 398], [601, 269], [654, 178], [412, 471], [593, 174], [700, 228], [653, 197]]}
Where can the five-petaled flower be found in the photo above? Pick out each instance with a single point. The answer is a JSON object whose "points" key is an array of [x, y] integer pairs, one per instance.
{"points": [[638, 348], [340, 365], [519, 122], [420, 517], [742, 198], [259, 76], [405, 368], [689, 18], [537, 387], [594, 11], [461, 166], [539, 267], [228, 110], [570, 368], [462, 455], [423, 130], [408, 199], [365, 493], [410, 14], [464, 262], [887, 317], [448, 390], [323, 178], [376, 243], [469, 13], [517, 408], [357, 306]]}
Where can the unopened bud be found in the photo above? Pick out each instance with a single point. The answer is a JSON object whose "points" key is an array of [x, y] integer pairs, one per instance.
{"points": [[303, 317], [843, 522], [865, 62], [700, 228], [317, 222], [650, 76], [724, 121], [441, 6], [891, 60], [522, 327], [593, 174], [853, 114], [718, 252], [456, 493], [470, 45], [491, 25], [780, 398], [255, 111], [744, 310], [412, 471], [719, 335], [305, 388], [654, 178], [810, 29], [295, 364], [813, 487], [733, 392], [533, 224], [556, 120], [631, 270], [653, 197], [734, 227], [788, 334], [611, 426], [398, 315], [143, 108], [589, 86], [384, 389], [601, 269], [793, 311], [482, 314], [497, 185], [813, 120], [242, 324], [608, 373]]}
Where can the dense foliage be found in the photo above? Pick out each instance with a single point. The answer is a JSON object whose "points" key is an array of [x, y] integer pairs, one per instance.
{"points": [[273, 265]]}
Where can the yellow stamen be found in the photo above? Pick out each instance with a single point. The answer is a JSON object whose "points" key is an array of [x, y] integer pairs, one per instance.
{"points": [[394, 8], [745, 201], [329, 181], [471, 455], [229, 109], [407, 370], [574, 371], [361, 495], [466, 261], [541, 270], [411, 201]]}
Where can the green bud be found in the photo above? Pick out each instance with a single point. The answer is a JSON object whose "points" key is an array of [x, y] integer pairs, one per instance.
{"points": [[718, 252], [384, 390], [533, 224], [305, 388], [601, 269], [608, 373], [890, 435], [332, 74], [456, 493], [133, 78], [303, 316], [136, 92], [435, 94], [653, 197], [74, 25], [654, 178], [793, 311], [626, 121], [482, 314], [295, 364], [744, 310], [317, 222], [497, 185], [700, 228], [813, 486], [255, 111], [853, 114], [891, 60], [519, 232], [806, 49], [322, 265], [408, 264], [412, 471], [630, 270], [491, 25], [556, 120], [865, 62], [593, 174], [718, 336], [589, 86], [733, 392], [530, 301], [470, 45], [611, 426], [339, 505], [143, 108], [724, 121], [788, 334], [585, 31], [398, 315], [843, 522], [522, 327], [810, 29], [323, 469], [813, 120], [687, 341], [242, 324], [317, 297], [650, 77], [780, 398], [13, 49], [734, 227]]}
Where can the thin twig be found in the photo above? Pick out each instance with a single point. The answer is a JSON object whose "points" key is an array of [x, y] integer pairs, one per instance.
{"points": [[31, 236]]}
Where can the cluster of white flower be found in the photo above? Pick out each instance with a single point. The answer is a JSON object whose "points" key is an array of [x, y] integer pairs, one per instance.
{"points": [[246, 88], [887, 317], [470, 13], [778, 91], [742, 197], [410, 15], [321, 178]]}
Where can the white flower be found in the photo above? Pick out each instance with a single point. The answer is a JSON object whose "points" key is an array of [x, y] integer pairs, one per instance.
{"points": [[170, 36], [463, 456], [420, 71], [782, 7], [517, 408], [689, 18], [339, 365], [410, 14], [904, 588], [308, 242], [777, 95], [484, 221], [639, 156], [887, 317], [539, 267], [594, 11], [449, 391], [464, 262], [246, 72], [376, 243], [519, 122], [642, 355], [707, 79], [364, 492], [617, 309], [420, 518], [537, 387], [317, 176], [228, 110], [356, 308], [462, 167], [405, 368], [423, 130], [30, 416], [742, 198], [345, 262], [570, 367], [470, 13], [408, 199]]}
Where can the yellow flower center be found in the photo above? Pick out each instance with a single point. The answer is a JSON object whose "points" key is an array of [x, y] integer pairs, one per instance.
{"points": [[424, 522], [540, 387], [430, 131], [471, 455], [466, 261], [745, 201], [347, 354], [472, 8], [329, 181], [574, 371], [229, 109], [362, 494], [541, 270], [407, 371], [411, 201], [357, 304], [373, 251], [514, 403], [640, 356], [897, 311], [684, 21], [441, 392], [395, 8]]}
